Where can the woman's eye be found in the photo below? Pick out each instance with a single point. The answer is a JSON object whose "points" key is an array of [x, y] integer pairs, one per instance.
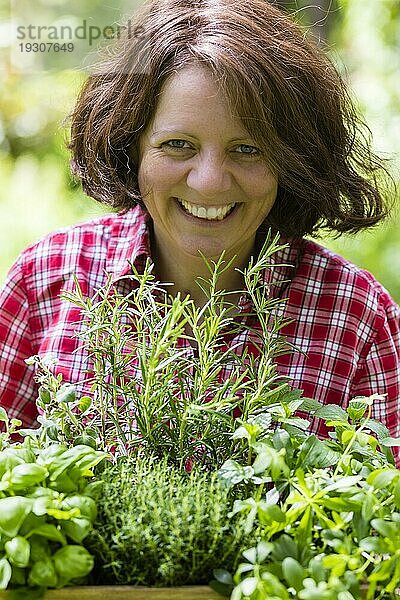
{"points": [[248, 150], [176, 144]]}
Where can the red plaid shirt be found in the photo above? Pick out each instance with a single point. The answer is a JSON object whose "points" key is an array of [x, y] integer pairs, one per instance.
{"points": [[345, 323]]}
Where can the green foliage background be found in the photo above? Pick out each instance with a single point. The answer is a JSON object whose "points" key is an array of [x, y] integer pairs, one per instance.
{"points": [[38, 194]]}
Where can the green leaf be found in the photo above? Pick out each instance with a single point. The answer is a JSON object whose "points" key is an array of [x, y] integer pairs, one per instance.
{"points": [[67, 482], [73, 562], [50, 532], [336, 563], [86, 440], [241, 433], [74, 456], [262, 462], [347, 436], [13, 511], [396, 494], [382, 478], [44, 395], [18, 551], [263, 421], [356, 409], [223, 576], [390, 442], [18, 577], [344, 483], [294, 405], [284, 546], [310, 405], [302, 424], [248, 585], [5, 573], [272, 513], [4, 419], [316, 453], [85, 402], [383, 570], [77, 529], [270, 461], [93, 489], [66, 393], [317, 570], [222, 589], [251, 555], [339, 504], [368, 506], [27, 475], [345, 595], [304, 529], [281, 439], [85, 504], [40, 548], [63, 515], [43, 574], [373, 544], [332, 412], [232, 472], [293, 572], [272, 588], [263, 550], [8, 460], [378, 428], [386, 528], [243, 568]]}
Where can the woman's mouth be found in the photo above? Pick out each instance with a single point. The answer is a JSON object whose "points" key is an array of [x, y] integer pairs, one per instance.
{"points": [[208, 213]]}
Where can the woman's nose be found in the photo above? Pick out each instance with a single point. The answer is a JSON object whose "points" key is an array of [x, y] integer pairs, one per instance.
{"points": [[209, 176]]}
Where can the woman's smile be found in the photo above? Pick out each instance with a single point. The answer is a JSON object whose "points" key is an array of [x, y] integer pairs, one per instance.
{"points": [[208, 213]]}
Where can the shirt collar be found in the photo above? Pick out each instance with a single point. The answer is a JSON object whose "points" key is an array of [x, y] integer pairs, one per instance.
{"points": [[129, 243]]}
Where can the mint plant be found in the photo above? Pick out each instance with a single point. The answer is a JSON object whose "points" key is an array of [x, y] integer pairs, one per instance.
{"points": [[329, 510]]}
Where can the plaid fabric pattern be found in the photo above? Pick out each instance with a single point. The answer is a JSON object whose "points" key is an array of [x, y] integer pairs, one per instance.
{"points": [[343, 321]]}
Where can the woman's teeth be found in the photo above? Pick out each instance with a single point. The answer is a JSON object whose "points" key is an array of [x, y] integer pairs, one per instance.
{"points": [[211, 213]]}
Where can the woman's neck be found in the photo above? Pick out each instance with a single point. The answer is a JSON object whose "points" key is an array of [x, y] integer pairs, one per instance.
{"points": [[183, 276]]}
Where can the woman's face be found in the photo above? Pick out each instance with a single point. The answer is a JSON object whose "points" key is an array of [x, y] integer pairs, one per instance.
{"points": [[204, 183]]}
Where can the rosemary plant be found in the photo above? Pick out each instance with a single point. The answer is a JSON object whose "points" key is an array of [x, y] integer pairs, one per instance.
{"points": [[153, 391]]}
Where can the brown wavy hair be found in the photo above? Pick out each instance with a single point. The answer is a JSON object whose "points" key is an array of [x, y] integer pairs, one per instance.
{"points": [[281, 86]]}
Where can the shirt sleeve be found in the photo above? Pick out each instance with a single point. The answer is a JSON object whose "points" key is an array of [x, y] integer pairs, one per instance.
{"points": [[379, 372], [18, 390]]}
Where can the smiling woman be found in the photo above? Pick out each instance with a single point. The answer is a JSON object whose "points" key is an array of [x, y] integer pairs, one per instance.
{"points": [[218, 123]]}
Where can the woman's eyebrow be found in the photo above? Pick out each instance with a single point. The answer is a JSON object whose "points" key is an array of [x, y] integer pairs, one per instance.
{"points": [[180, 131]]}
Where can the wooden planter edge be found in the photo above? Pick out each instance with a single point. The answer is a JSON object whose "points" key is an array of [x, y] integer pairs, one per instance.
{"points": [[124, 592]]}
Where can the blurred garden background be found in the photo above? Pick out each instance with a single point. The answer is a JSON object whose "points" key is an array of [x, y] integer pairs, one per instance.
{"points": [[38, 194]]}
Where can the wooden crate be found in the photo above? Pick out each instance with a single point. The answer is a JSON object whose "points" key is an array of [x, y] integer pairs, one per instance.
{"points": [[122, 592], [126, 592]]}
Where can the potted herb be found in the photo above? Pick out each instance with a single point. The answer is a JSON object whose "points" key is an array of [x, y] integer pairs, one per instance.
{"points": [[47, 507], [312, 518], [329, 510]]}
